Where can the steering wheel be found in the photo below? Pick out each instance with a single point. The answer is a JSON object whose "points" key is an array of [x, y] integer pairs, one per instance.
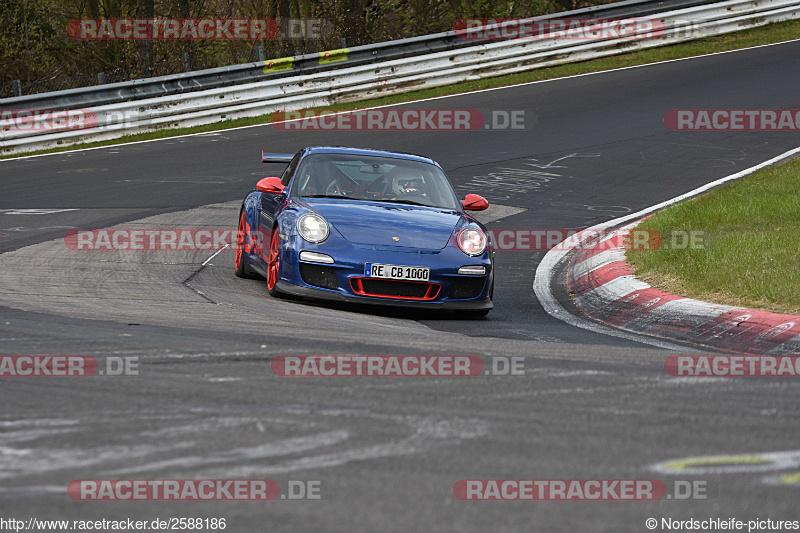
{"points": [[336, 188]]}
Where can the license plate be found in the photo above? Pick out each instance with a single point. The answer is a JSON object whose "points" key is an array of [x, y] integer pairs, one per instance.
{"points": [[407, 273]]}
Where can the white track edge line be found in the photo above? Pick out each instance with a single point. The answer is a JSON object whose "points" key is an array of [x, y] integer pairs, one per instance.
{"points": [[551, 260]]}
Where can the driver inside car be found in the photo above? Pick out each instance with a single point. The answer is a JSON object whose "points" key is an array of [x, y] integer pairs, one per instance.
{"points": [[406, 182]]}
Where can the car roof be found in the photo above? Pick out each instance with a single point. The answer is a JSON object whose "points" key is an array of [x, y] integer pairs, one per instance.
{"points": [[367, 152]]}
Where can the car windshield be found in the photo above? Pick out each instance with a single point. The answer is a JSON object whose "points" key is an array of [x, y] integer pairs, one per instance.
{"points": [[376, 178]]}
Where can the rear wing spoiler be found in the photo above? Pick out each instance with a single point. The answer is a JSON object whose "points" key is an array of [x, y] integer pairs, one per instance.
{"points": [[276, 158]]}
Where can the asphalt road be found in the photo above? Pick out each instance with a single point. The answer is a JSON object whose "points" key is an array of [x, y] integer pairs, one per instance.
{"points": [[387, 452]]}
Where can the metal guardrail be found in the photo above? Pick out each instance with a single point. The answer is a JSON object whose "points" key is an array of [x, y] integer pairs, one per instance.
{"points": [[355, 83], [112, 93]]}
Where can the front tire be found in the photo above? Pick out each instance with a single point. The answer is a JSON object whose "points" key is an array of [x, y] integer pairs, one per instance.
{"points": [[274, 263]]}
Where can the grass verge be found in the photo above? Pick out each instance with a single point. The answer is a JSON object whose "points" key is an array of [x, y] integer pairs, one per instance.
{"points": [[772, 33], [750, 256]]}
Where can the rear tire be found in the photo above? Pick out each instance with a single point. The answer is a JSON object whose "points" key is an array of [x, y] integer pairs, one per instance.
{"points": [[241, 268]]}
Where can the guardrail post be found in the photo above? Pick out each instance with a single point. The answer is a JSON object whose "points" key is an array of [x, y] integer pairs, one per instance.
{"points": [[260, 52], [17, 87], [342, 42], [187, 65], [101, 77]]}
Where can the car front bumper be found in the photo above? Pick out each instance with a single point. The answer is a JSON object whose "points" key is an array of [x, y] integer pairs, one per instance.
{"points": [[323, 294]]}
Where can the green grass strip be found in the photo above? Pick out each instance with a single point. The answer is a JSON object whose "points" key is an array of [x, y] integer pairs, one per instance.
{"points": [[751, 253]]}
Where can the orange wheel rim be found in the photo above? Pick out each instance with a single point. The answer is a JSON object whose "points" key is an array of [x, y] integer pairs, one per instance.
{"points": [[274, 261]]}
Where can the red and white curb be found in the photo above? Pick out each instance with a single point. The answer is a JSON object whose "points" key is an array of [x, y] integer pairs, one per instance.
{"points": [[604, 287]]}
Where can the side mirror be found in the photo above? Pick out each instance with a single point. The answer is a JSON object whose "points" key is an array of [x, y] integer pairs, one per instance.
{"points": [[270, 185], [473, 202]]}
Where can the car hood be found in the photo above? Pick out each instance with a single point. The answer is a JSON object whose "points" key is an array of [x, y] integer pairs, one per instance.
{"points": [[378, 223]]}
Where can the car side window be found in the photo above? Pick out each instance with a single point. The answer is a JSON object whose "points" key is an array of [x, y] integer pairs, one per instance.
{"points": [[289, 172]]}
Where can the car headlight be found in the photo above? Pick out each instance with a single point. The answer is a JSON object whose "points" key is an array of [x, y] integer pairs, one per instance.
{"points": [[312, 228], [472, 241]]}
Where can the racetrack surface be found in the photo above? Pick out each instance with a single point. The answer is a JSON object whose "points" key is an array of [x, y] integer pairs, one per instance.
{"points": [[387, 450]]}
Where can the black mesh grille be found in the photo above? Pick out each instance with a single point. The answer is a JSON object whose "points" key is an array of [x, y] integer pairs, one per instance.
{"points": [[402, 289], [466, 288], [321, 276]]}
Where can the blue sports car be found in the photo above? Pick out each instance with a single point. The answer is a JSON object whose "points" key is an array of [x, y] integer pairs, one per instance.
{"points": [[366, 226]]}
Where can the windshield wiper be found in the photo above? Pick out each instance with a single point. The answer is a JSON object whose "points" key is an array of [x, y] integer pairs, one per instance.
{"points": [[410, 202], [330, 196]]}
